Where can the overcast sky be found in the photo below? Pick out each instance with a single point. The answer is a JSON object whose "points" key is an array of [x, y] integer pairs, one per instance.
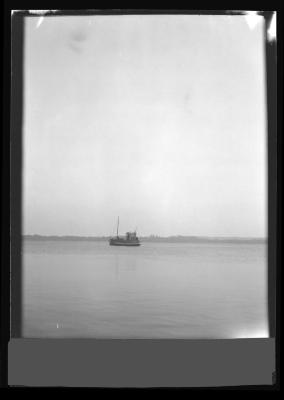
{"points": [[158, 119]]}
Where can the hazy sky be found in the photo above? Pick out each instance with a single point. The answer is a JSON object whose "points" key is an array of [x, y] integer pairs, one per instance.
{"points": [[158, 119]]}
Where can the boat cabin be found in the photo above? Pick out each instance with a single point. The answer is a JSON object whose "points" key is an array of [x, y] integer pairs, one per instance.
{"points": [[131, 236]]}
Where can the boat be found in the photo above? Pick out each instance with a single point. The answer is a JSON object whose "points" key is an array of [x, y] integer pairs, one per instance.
{"points": [[130, 239]]}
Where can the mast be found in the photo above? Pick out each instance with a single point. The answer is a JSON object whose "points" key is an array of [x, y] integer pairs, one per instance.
{"points": [[117, 226]]}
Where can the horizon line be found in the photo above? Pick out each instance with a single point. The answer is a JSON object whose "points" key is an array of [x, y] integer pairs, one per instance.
{"points": [[150, 236]]}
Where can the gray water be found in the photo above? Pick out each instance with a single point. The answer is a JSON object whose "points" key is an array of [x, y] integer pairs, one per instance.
{"points": [[89, 289]]}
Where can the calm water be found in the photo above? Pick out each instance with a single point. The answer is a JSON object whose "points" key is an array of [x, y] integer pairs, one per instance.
{"points": [[157, 290]]}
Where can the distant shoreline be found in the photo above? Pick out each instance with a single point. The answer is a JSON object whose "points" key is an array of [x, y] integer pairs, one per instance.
{"points": [[152, 238]]}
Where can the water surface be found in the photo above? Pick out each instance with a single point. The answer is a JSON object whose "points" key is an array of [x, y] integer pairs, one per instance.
{"points": [[88, 289]]}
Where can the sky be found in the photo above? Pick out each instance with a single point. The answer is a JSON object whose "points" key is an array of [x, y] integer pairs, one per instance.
{"points": [[160, 120]]}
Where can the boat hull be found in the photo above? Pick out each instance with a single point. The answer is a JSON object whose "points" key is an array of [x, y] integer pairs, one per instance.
{"points": [[114, 242]]}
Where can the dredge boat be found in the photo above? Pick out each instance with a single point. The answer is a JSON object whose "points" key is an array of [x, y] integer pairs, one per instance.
{"points": [[130, 239]]}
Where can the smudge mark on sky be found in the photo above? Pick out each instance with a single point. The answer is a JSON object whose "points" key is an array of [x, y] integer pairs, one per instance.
{"points": [[77, 40]]}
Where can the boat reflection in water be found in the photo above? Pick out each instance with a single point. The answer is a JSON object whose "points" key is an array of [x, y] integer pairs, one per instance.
{"points": [[130, 239]]}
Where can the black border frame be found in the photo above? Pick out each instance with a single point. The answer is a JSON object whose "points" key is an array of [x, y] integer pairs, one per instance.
{"points": [[14, 174]]}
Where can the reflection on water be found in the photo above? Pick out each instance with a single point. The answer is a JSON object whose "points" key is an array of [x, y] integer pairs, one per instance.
{"points": [[158, 290]]}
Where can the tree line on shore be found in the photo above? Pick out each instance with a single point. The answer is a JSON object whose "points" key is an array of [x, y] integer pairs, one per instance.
{"points": [[151, 238]]}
